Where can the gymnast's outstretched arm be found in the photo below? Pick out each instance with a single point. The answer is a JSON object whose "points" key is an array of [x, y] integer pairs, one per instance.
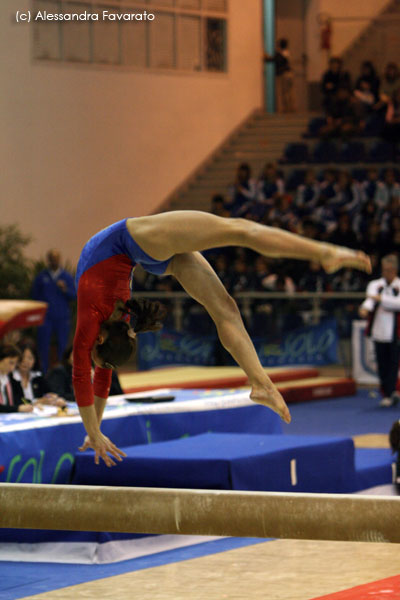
{"points": [[200, 281]]}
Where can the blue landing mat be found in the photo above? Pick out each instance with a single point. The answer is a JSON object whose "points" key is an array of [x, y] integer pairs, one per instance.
{"points": [[349, 416], [373, 467], [231, 461]]}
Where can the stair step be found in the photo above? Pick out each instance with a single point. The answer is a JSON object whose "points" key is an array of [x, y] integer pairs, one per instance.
{"points": [[208, 190], [260, 147], [272, 142], [261, 140], [271, 131], [203, 196], [263, 133], [234, 157], [279, 119], [190, 204]]}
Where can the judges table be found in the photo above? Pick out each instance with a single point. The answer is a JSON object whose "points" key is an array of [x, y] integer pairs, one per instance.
{"points": [[40, 448]]}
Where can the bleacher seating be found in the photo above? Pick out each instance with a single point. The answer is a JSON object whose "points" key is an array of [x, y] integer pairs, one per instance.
{"points": [[381, 152], [373, 126], [359, 174], [325, 151], [331, 151], [351, 152], [314, 126], [295, 153]]}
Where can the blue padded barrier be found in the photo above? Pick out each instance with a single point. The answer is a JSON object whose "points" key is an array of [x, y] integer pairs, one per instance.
{"points": [[231, 461], [373, 467]]}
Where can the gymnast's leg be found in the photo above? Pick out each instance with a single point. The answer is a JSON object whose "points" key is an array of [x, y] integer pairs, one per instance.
{"points": [[163, 235], [200, 281]]}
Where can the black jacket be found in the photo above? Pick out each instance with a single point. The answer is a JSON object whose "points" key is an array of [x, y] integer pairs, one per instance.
{"points": [[17, 395], [59, 381]]}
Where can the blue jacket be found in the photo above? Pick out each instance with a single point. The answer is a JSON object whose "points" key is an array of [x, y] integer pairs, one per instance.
{"points": [[45, 289]]}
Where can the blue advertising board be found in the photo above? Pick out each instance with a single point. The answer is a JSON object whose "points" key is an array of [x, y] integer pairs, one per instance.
{"points": [[310, 345]]}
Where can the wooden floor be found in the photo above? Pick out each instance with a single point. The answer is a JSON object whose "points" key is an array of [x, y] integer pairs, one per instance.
{"points": [[278, 570]]}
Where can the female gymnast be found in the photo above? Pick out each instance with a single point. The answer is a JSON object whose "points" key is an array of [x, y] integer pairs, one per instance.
{"points": [[170, 244]]}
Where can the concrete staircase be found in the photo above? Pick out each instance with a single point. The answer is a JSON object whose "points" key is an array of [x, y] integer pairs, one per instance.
{"points": [[261, 139]]}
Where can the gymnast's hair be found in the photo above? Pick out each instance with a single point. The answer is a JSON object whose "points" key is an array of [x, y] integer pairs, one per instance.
{"points": [[119, 346]]}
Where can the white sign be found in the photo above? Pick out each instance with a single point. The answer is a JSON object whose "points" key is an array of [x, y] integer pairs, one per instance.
{"points": [[364, 362]]}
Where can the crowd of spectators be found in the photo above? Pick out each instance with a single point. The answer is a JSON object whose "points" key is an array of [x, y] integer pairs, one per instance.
{"points": [[357, 208], [330, 206], [348, 105]]}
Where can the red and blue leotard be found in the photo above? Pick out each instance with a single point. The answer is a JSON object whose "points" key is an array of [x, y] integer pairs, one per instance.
{"points": [[103, 276]]}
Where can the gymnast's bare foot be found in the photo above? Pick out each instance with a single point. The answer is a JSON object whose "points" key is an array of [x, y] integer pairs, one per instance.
{"points": [[338, 257], [269, 396]]}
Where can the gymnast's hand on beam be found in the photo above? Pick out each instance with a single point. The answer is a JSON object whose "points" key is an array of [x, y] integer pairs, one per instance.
{"points": [[102, 446]]}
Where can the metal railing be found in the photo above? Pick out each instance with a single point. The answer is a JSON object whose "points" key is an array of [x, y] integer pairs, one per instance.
{"points": [[246, 299]]}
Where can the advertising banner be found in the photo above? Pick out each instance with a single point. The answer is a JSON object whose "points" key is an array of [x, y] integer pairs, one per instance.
{"points": [[311, 345]]}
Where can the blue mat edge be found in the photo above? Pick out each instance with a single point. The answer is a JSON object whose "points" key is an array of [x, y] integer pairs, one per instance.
{"points": [[54, 576]]}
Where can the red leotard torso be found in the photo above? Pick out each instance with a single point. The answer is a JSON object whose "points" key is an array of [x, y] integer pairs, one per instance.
{"points": [[103, 276], [99, 289]]}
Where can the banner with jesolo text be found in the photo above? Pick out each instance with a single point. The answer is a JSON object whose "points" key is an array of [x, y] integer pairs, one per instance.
{"points": [[168, 347], [311, 345]]}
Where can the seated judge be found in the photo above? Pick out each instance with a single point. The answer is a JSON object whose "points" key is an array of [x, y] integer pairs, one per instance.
{"points": [[11, 396], [29, 381]]}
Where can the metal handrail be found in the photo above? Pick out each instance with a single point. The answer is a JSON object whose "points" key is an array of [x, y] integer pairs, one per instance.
{"points": [[245, 299], [257, 295]]}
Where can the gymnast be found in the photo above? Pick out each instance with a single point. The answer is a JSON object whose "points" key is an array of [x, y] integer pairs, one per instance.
{"points": [[170, 244]]}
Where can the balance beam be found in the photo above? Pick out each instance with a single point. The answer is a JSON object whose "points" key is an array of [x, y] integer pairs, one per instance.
{"points": [[201, 512]]}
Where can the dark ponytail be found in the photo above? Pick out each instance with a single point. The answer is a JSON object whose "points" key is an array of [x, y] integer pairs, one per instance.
{"points": [[118, 346], [147, 315]]}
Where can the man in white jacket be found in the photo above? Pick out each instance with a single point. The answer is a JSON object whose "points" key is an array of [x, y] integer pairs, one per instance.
{"points": [[382, 309]]}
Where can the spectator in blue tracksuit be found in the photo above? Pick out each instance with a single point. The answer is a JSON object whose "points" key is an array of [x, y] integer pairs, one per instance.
{"points": [[55, 286]]}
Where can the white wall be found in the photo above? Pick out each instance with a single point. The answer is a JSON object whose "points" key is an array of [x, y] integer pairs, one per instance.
{"points": [[83, 147], [349, 20], [359, 13]]}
